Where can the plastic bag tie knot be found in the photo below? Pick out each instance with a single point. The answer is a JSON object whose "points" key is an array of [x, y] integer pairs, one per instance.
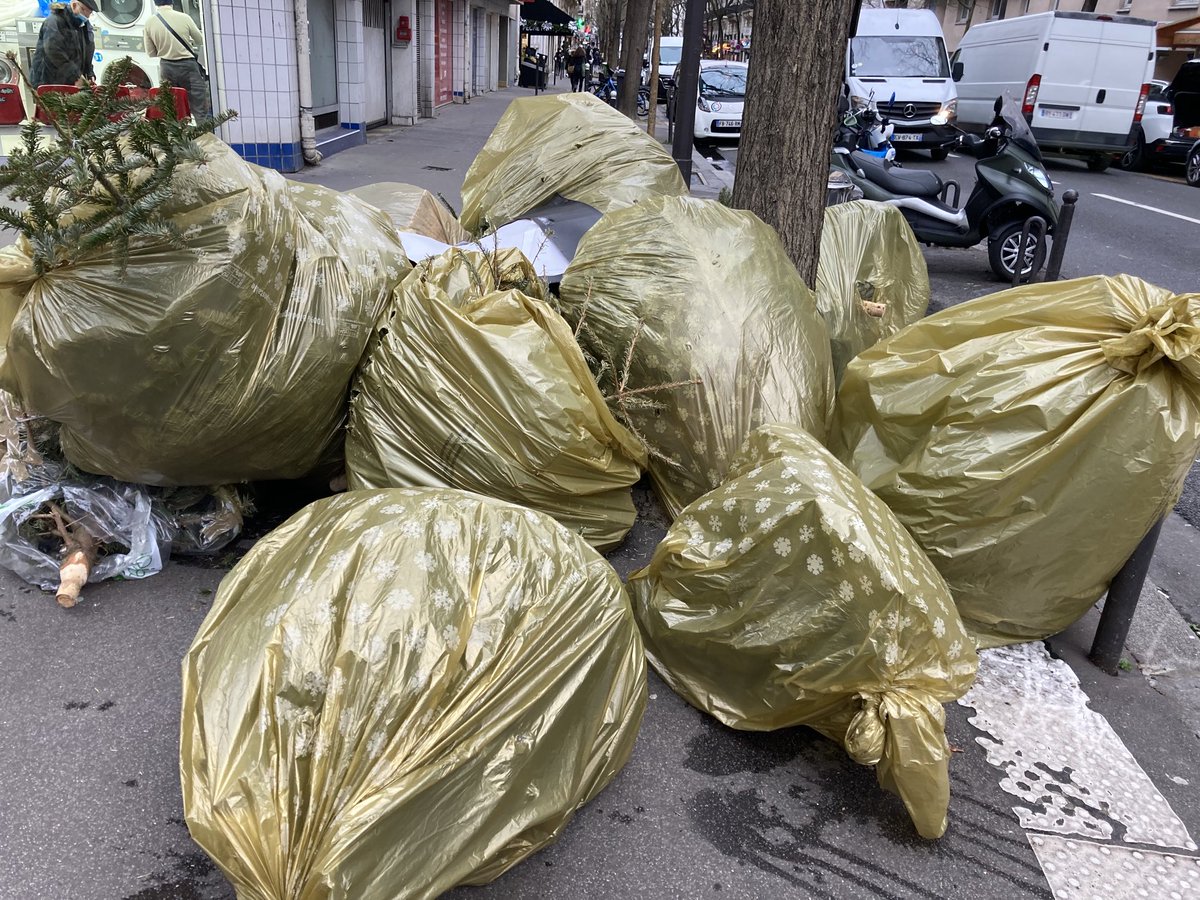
{"points": [[1168, 331], [866, 735]]}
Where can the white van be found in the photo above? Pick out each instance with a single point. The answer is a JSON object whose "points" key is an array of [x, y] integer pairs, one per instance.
{"points": [[670, 51], [903, 52], [1082, 79]]}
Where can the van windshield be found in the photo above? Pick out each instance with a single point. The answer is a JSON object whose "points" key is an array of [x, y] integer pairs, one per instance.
{"points": [[669, 56], [898, 56]]}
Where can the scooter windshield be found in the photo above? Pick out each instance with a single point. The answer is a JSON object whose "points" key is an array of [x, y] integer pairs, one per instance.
{"points": [[1017, 129]]}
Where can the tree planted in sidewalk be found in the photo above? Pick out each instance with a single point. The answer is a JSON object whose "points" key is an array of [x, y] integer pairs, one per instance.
{"points": [[787, 131], [633, 49], [104, 175]]}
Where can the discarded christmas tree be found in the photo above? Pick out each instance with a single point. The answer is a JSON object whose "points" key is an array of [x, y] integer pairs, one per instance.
{"points": [[105, 174]]}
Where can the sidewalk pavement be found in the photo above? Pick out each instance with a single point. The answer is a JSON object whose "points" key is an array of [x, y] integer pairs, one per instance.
{"points": [[90, 803]]}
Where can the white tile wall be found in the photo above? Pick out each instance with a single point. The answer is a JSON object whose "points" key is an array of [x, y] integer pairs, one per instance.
{"points": [[254, 42]]}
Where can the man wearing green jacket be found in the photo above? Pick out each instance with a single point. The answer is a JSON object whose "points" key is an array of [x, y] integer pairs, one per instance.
{"points": [[66, 46]]}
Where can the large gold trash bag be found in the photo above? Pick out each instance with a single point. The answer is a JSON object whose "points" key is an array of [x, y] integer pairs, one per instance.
{"points": [[871, 277], [1029, 439], [791, 596], [225, 360], [400, 691], [706, 294], [573, 145], [473, 382]]}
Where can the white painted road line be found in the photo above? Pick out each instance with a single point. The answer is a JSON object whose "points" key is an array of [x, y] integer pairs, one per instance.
{"points": [[1154, 209], [1082, 870]]}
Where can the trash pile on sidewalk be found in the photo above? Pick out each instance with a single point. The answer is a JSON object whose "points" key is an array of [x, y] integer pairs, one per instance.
{"points": [[443, 644]]}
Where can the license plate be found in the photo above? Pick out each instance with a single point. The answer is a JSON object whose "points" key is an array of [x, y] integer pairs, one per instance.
{"points": [[906, 136], [1056, 113], [727, 123]]}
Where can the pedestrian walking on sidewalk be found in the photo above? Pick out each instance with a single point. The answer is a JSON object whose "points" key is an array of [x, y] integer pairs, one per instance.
{"points": [[575, 67], [173, 37], [65, 46]]}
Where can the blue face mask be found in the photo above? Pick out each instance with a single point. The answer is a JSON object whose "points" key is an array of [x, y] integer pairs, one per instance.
{"points": [[80, 20]]}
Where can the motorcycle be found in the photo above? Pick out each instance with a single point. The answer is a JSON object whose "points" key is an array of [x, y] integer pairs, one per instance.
{"points": [[1011, 188]]}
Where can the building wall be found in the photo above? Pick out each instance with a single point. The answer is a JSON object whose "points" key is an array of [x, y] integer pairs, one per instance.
{"points": [[252, 49]]}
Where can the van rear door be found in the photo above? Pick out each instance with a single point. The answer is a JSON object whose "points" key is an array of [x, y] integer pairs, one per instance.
{"points": [[1092, 75]]}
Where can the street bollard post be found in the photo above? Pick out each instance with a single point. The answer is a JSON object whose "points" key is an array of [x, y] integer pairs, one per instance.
{"points": [[1119, 607], [1061, 232]]}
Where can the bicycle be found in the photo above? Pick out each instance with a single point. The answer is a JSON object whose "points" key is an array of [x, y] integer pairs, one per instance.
{"points": [[607, 92]]}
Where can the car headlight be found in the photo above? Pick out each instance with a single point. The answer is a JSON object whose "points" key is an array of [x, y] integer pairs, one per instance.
{"points": [[704, 105], [946, 114], [1040, 177]]}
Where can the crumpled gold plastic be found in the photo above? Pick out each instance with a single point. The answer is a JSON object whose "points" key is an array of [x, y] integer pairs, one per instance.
{"points": [[871, 277], [414, 209], [790, 595], [224, 361], [1029, 439], [474, 382], [573, 145], [710, 304], [400, 691]]}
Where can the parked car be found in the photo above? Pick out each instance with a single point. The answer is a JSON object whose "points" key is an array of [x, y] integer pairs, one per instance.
{"points": [[1083, 79], [721, 96], [1192, 172], [1184, 95], [1156, 125]]}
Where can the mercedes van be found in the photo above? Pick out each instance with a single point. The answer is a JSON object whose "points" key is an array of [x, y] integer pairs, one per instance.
{"points": [[899, 57], [1082, 79]]}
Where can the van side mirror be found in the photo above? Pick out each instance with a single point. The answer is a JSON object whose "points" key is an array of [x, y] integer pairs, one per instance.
{"points": [[957, 72]]}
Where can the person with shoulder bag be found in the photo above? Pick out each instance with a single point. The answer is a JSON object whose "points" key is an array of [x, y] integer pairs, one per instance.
{"points": [[575, 66], [173, 37]]}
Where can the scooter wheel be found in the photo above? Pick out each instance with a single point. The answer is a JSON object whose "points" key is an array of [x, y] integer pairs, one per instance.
{"points": [[1004, 248]]}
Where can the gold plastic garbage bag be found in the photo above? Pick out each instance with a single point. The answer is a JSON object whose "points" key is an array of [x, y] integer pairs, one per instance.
{"points": [[1029, 439], [791, 596], [224, 361], [474, 382], [413, 209], [871, 277], [696, 309], [399, 691], [573, 145]]}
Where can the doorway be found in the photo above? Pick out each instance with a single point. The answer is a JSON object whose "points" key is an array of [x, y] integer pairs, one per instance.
{"points": [[375, 27], [322, 25], [443, 52], [502, 61]]}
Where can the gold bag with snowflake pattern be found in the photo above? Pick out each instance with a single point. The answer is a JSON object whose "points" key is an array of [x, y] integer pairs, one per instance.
{"points": [[399, 691], [790, 595], [227, 359], [697, 312]]}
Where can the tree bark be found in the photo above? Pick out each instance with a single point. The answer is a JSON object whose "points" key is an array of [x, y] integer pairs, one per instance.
{"points": [[655, 48], [787, 126], [633, 49]]}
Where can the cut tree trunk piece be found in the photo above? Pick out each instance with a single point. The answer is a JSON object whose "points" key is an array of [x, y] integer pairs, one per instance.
{"points": [[787, 128]]}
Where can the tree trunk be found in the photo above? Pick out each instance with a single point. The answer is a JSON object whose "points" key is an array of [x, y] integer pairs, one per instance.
{"points": [[633, 48], [787, 127], [655, 49]]}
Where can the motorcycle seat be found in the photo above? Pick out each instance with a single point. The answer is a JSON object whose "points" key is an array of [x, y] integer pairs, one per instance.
{"points": [[910, 182]]}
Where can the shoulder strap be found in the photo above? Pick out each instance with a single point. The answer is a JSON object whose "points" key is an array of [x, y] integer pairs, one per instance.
{"points": [[175, 34]]}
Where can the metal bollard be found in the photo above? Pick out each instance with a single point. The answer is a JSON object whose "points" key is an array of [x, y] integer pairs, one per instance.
{"points": [[1032, 224], [1062, 231], [1122, 601]]}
